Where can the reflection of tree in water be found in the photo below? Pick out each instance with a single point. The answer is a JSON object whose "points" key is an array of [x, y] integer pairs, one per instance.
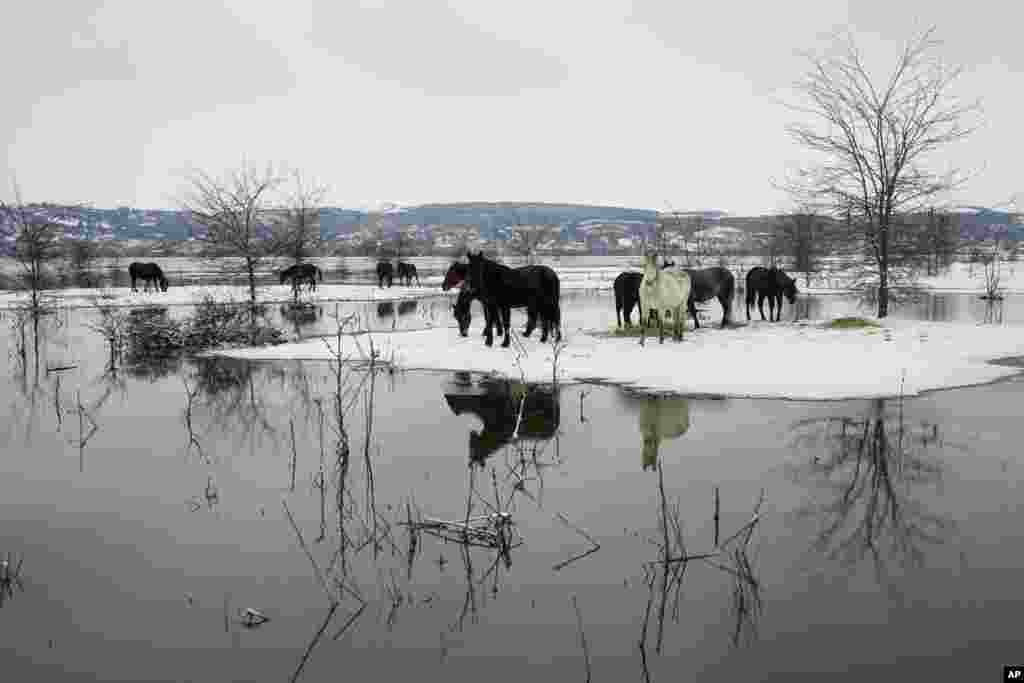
{"points": [[152, 351], [870, 464], [229, 396]]}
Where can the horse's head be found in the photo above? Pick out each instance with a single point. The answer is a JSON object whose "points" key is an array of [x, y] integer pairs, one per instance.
{"points": [[650, 267], [163, 284], [456, 274], [788, 286], [284, 275]]}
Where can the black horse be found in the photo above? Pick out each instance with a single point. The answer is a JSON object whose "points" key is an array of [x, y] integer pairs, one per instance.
{"points": [[771, 283], [627, 294], [148, 272], [707, 283], [535, 287], [302, 273], [406, 272], [496, 403], [385, 271], [463, 317]]}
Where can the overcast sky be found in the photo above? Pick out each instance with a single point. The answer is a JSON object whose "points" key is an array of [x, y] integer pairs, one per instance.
{"points": [[642, 104]]}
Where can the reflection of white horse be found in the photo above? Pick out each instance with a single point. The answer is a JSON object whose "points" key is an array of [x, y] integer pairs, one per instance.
{"points": [[665, 292], [661, 417]]}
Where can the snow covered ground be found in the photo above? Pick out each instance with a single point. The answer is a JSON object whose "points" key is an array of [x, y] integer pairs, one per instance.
{"points": [[780, 360]]}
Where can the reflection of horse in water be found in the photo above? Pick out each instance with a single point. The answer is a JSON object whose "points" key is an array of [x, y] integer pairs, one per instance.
{"points": [[386, 309], [496, 404], [301, 316], [660, 418]]}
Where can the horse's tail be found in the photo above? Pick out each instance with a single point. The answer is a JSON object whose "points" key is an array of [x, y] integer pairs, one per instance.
{"points": [[750, 294], [556, 308]]}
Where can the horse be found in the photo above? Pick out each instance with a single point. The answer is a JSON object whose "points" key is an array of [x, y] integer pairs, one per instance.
{"points": [[771, 283], [407, 271], [661, 291], [302, 272], [406, 307], [148, 272], [535, 287], [707, 283], [457, 273], [497, 404], [627, 294], [385, 270], [385, 309], [461, 311]]}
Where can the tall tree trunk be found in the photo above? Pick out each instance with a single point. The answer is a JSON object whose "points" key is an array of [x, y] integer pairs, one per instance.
{"points": [[250, 268], [883, 271]]}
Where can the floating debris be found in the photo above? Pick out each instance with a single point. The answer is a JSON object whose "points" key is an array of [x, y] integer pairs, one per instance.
{"points": [[496, 530], [252, 618]]}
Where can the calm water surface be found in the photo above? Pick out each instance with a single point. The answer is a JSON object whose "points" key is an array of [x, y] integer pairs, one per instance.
{"points": [[888, 541]]}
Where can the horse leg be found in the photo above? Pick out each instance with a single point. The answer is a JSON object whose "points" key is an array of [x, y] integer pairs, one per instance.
{"points": [[692, 308], [778, 308], [760, 304], [506, 319]]}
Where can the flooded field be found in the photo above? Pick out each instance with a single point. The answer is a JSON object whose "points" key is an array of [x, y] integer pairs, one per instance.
{"points": [[212, 519]]}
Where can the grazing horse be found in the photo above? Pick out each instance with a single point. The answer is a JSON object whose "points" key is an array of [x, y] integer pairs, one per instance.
{"points": [[385, 270], [771, 283], [627, 294], [497, 404], [535, 287], [406, 272], [462, 316], [707, 283], [663, 291], [148, 272], [302, 272], [457, 273]]}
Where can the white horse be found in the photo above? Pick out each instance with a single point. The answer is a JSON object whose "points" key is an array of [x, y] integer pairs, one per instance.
{"points": [[665, 292], [661, 417]]}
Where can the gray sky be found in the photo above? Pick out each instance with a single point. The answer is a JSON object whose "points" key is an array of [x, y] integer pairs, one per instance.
{"points": [[627, 103]]}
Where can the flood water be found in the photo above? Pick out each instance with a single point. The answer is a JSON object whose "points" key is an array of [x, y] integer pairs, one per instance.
{"points": [[144, 510]]}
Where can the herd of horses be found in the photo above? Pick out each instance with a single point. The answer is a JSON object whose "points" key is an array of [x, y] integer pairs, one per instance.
{"points": [[661, 292], [656, 292], [406, 273]]}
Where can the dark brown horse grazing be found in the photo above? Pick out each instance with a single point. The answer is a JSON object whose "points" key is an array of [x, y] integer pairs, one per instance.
{"points": [[535, 287], [302, 273], [406, 272], [707, 283], [385, 271], [770, 283], [148, 272]]}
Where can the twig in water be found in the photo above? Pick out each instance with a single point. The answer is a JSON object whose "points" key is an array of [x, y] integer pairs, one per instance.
{"points": [[295, 454], [316, 639], [583, 636], [316, 568]]}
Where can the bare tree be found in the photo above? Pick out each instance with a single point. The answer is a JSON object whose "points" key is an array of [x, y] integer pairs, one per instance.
{"points": [[35, 241], [874, 139], [233, 210], [800, 235], [298, 237]]}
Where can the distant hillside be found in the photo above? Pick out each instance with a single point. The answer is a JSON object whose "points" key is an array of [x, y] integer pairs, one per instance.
{"points": [[147, 224]]}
